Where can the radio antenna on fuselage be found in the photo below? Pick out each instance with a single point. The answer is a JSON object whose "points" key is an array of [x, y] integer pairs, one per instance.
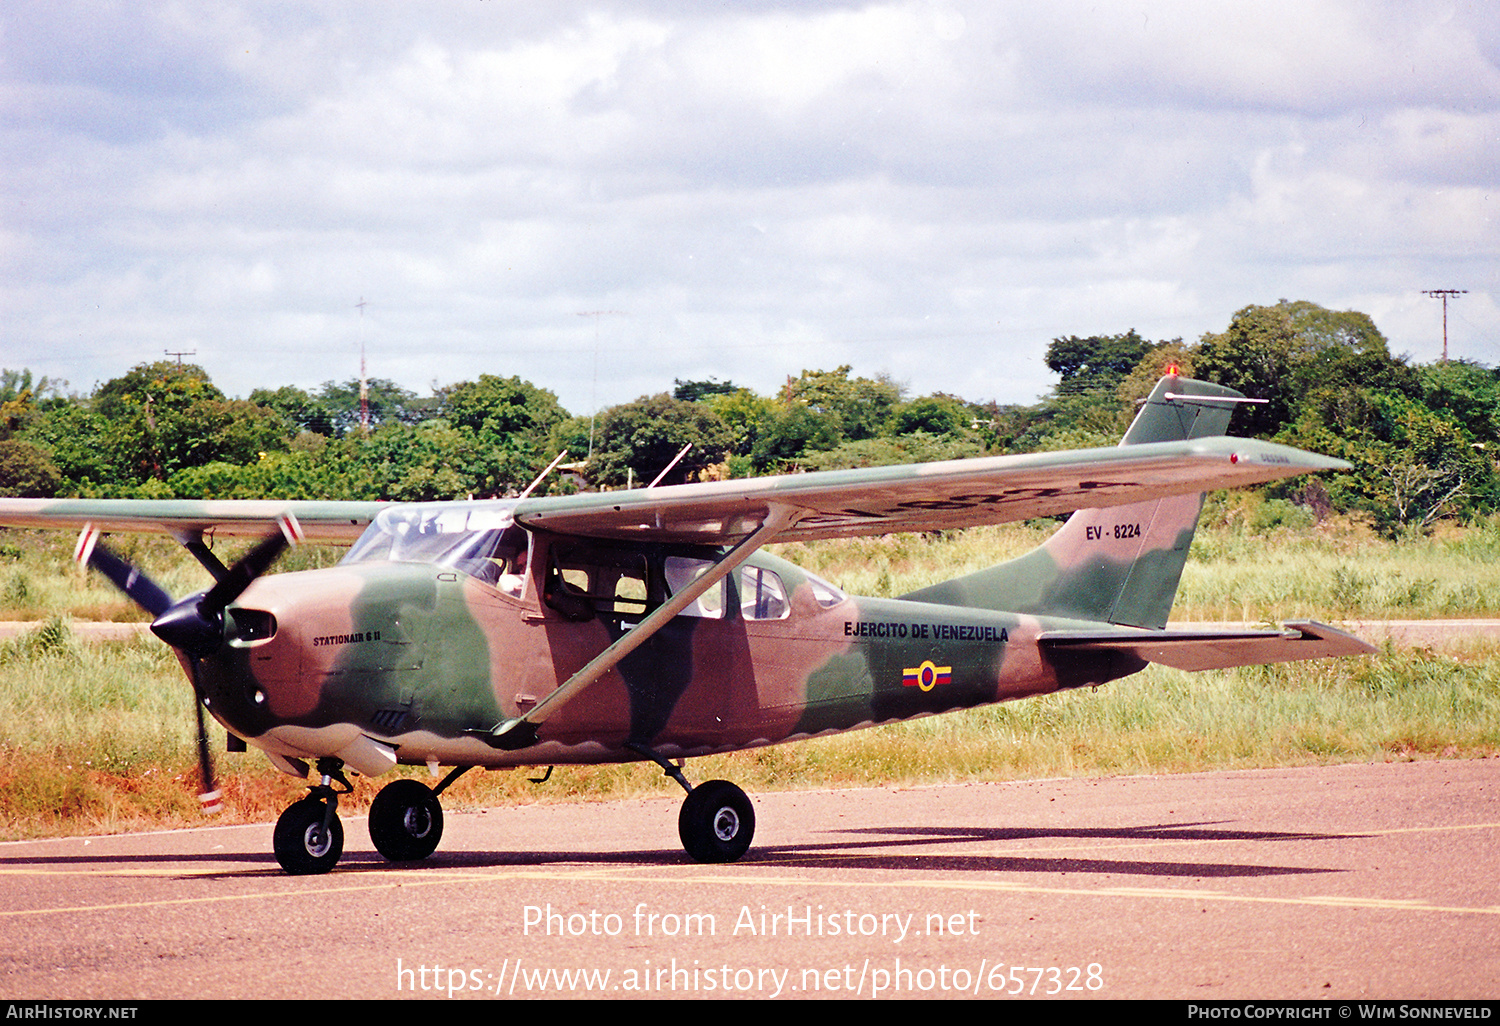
{"points": [[543, 475], [669, 466], [594, 398]]}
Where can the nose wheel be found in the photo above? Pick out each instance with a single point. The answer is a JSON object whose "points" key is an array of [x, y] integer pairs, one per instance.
{"points": [[309, 838]]}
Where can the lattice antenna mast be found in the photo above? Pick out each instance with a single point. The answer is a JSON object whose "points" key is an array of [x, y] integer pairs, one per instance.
{"points": [[364, 382], [1444, 294]]}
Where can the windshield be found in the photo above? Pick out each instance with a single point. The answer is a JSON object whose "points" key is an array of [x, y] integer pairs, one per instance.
{"points": [[481, 541]]}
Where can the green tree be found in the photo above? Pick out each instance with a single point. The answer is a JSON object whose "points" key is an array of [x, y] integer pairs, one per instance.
{"points": [[750, 417], [1097, 363], [299, 408], [793, 431], [71, 435], [20, 398], [1412, 465], [1296, 356], [1319, 329], [1430, 469], [147, 425], [639, 439], [26, 471], [859, 407], [388, 403], [159, 417], [1255, 355], [932, 414], [509, 422], [500, 406], [572, 435], [915, 447], [697, 391], [1467, 392], [155, 389], [14, 383], [1086, 403], [406, 463]]}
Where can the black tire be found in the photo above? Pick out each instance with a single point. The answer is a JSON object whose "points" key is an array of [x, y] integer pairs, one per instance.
{"points": [[406, 821], [717, 822], [302, 847]]}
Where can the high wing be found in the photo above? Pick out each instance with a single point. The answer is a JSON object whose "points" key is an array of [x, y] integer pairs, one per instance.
{"points": [[320, 521], [921, 497], [828, 504]]}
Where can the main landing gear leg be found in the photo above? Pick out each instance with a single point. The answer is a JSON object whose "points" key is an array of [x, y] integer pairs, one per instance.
{"points": [[406, 821], [309, 838], [716, 822]]}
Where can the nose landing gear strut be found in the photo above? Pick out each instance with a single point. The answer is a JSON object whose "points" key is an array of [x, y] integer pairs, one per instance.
{"points": [[309, 838]]}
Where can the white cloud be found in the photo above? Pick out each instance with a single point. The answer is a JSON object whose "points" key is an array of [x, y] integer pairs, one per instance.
{"points": [[932, 190]]}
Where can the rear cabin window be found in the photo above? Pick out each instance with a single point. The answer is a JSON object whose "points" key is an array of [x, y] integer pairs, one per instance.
{"points": [[584, 581], [762, 596], [826, 594]]}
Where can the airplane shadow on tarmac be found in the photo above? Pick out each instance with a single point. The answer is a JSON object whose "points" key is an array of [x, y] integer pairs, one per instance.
{"points": [[873, 850]]}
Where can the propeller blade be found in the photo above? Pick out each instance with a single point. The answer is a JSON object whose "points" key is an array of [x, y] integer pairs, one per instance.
{"points": [[145, 592], [250, 566], [196, 624], [210, 796], [183, 624]]}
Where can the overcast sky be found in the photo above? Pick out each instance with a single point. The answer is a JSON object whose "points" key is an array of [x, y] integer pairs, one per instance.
{"points": [[602, 197]]}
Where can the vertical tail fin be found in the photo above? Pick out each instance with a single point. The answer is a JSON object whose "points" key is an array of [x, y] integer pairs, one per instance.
{"points": [[1117, 565]]}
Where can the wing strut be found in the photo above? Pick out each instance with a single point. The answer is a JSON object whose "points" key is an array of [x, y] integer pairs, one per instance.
{"points": [[521, 732], [193, 542]]}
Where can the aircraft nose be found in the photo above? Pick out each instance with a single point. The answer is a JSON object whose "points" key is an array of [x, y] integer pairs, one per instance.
{"points": [[188, 629]]}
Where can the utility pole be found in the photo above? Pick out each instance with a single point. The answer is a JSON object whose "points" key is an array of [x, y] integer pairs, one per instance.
{"points": [[180, 355], [1444, 294]]}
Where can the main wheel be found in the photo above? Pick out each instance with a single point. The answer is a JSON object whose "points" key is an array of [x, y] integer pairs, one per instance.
{"points": [[302, 845], [406, 821], [716, 823]]}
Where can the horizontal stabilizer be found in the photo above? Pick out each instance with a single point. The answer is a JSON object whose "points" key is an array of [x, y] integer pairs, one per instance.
{"points": [[1211, 649]]}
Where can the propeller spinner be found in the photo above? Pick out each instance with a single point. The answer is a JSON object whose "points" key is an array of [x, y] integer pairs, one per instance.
{"points": [[194, 625]]}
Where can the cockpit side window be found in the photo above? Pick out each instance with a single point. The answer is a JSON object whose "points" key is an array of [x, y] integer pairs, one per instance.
{"points": [[498, 558]]}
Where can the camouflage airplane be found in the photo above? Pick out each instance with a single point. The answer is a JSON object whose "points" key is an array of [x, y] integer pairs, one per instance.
{"points": [[651, 624]]}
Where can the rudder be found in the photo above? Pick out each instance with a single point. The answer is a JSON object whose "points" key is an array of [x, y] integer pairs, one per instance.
{"points": [[1120, 564]]}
